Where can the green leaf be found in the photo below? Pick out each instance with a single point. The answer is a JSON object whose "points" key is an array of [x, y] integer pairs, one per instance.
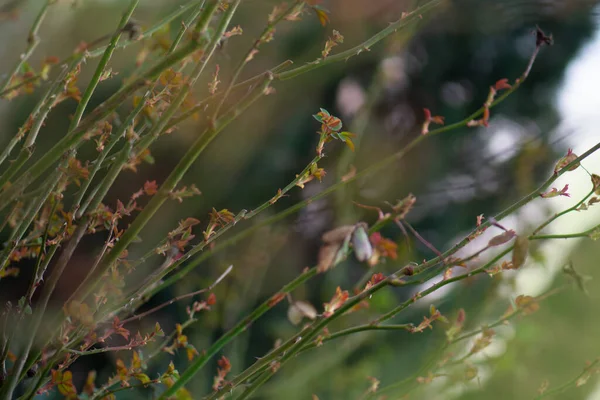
{"points": [[145, 379]]}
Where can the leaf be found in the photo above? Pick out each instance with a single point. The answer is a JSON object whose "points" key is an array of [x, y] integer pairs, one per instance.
{"points": [[300, 310], [520, 251], [321, 14], [527, 303], [143, 378], [361, 244], [502, 238], [338, 234], [596, 183], [566, 160]]}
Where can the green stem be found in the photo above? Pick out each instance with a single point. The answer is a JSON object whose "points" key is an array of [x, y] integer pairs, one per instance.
{"points": [[560, 214], [566, 235], [32, 42], [170, 183], [240, 327], [572, 383], [73, 138], [248, 56], [10, 385], [100, 50], [97, 195], [414, 16], [87, 95], [371, 170]]}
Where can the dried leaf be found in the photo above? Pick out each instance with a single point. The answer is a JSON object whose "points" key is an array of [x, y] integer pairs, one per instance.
{"points": [[502, 238], [520, 251]]}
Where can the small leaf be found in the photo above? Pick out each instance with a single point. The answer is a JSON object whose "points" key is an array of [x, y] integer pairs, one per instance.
{"points": [[360, 241], [321, 14], [520, 251], [566, 160], [502, 238]]}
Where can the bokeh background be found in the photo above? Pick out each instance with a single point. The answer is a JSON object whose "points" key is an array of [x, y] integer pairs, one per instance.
{"points": [[446, 63]]}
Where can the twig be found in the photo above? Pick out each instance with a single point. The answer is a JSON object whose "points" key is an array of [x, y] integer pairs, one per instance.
{"points": [[179, 298]]}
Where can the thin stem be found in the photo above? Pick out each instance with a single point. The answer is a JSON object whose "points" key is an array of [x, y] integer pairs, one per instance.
{"points": [[367, 172], [87, 95], [97, 195], [560, 214], [264, 36], [100, 50], [170, 183], [178, 298], [587, 233], [572, 383], [240, 327], [32, 42], [414, 16], [10, 385]]}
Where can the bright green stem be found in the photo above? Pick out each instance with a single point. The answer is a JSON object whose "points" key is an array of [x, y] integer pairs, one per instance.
{"points": [[194, 14]]}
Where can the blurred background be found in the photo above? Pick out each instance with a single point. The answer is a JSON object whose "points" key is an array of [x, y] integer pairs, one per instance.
{"points": [[445, 63]]}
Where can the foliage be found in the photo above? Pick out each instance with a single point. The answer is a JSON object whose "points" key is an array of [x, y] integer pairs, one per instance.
{"points": [[52, 201]]}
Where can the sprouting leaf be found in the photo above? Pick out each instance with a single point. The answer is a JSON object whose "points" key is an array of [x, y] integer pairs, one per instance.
{"points": [[336, 302], [346, 137], [502, 84], [527, 303], [566, 160], [554, 192]]}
